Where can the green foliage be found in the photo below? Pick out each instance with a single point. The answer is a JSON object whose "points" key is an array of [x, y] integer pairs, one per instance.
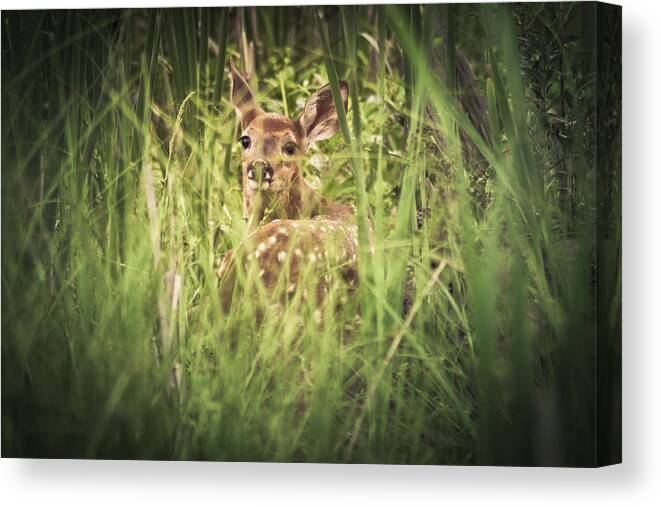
{"points": [[470, 339]]}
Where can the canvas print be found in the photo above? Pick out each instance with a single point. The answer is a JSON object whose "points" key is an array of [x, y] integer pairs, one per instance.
{"points": [[382, 234]]}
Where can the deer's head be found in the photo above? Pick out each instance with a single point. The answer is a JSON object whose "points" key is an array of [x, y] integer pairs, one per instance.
{"points": [[273, 145]]}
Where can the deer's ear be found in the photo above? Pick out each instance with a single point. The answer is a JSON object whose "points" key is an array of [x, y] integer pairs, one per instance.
{"points": [[242, 97], [319, 117]]}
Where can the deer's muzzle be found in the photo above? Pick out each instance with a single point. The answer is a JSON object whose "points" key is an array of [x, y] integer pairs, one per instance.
{"points": [[260, 170]]}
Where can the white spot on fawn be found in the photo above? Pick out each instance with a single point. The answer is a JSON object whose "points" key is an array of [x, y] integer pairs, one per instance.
{"points": [[282, 256], [261, 247], [291, 288], [273, 240], [282, 231], [298, 252]]}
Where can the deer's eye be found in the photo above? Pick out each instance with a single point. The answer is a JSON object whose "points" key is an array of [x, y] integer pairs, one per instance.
{"points": [[245, 142], [289, 148]]}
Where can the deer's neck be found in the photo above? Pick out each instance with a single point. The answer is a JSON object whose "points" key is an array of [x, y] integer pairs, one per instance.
{"points": [[308, 203], [299, 202]]}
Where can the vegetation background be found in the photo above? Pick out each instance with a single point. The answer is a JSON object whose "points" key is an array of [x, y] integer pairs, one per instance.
{"points": [[482, 141]]}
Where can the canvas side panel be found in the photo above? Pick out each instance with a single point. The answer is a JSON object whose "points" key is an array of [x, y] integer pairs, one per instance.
{"points": [[608, 353]]}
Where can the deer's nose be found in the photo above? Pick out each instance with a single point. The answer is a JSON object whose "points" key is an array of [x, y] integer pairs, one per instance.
{"points": [[260, 169]]}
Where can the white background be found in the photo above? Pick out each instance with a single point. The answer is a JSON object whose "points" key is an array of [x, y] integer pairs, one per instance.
{"points": [[636, 482]]}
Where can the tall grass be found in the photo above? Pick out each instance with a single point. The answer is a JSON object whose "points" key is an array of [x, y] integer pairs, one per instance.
{"points": [[478, 335]]}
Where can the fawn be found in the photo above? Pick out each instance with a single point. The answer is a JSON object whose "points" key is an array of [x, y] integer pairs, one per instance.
{"points": [[304, 231]]}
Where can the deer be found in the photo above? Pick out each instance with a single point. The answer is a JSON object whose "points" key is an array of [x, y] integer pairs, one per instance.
{"points": [[292, 229]]}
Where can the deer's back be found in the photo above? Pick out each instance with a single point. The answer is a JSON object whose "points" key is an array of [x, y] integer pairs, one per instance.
{"points": [[306, 255]]}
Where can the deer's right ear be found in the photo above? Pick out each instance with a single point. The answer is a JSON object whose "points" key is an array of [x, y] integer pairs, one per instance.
{"points": [[242, 97], [319, 118]]}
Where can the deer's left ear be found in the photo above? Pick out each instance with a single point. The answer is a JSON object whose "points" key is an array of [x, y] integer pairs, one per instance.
{"points": [[242, 97], [319, 117]]}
